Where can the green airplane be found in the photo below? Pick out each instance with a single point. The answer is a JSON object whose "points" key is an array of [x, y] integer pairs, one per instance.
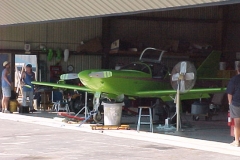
{"points": [[146, 78]]}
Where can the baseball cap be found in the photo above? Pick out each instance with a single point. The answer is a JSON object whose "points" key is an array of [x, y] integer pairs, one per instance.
{"points": [[5, 63], [29, 65]]}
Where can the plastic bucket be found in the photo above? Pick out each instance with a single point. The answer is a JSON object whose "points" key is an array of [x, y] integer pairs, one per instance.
{"points": [[13, 106], [112, 113]]}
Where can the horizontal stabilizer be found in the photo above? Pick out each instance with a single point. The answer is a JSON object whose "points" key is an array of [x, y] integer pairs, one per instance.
{"points": [[166, 95], [69, 76], [103, 74]]}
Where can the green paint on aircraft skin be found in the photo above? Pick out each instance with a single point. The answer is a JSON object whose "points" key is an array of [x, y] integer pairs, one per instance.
{"points": [[140, 83], [209, 67], [123, 82]]}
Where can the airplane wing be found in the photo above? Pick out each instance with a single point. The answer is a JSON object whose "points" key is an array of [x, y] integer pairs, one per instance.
{"points": [[66, 86], [168, 95]]}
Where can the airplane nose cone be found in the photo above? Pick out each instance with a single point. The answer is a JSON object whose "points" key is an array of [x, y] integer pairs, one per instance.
{"points": [[84, 76]]}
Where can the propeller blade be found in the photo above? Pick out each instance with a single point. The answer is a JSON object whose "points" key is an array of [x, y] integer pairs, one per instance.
{"points": [[28, 86], [182, 86], [175, 77], [69, 76], [189, 76], [103, 74], [183, 68]]}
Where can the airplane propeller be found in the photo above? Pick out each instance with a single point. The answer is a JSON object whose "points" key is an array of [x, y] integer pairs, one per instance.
{"points": [[69, 76], [102, 74]]}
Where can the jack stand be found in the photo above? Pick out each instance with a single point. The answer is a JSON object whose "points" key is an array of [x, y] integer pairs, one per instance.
{"points": [[84, 108], [90, 114]]}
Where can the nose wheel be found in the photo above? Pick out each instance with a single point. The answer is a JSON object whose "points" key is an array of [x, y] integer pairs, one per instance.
{"points": [[97, 117]]}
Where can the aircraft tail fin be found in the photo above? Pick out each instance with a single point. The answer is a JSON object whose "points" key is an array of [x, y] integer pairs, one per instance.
{"points": [[209, 67]]}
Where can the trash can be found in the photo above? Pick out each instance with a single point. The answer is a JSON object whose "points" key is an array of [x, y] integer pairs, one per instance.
{"points": [[198, 108], [112, 113]]}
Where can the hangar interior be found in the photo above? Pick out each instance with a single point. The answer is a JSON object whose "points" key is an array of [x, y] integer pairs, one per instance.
{"points": [[186, 34]]}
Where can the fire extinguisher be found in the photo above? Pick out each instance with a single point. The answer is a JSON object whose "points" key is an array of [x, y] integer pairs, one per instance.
{"points": [[229, 119]]}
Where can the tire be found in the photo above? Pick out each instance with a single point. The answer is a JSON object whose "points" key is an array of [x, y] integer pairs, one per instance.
{"points": [[97, 117]]}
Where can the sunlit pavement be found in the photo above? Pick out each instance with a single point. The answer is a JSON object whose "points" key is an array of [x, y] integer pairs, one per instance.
{"points": [[57, 126]]}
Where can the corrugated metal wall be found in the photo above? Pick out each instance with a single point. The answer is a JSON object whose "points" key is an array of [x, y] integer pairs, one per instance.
{"points": [[155, 34], [67, 34], [79, 62], [233, 29]]}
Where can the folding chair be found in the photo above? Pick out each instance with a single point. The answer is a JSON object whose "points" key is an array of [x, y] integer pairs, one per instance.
{"points": [[59, 104]]}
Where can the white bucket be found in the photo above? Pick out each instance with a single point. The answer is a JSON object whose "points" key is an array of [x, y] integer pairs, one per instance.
{"points": [[222, 65], [236, 64], [112, 113]]}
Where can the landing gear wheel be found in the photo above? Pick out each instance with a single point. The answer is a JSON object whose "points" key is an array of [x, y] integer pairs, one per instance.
{"points": [[195, 118], [97, 117]]}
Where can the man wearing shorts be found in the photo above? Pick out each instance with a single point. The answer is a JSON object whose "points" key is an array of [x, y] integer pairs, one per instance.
{"points": [[233, 91], [6, 86], [27, 77]]}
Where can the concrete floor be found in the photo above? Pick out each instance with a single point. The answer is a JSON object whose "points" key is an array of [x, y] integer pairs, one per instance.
{"points": [[214, 130], [210, 136], [43, 139], [207, 137]]}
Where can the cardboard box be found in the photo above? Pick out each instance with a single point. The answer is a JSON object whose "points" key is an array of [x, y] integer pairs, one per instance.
{"points": [[91, 46]]}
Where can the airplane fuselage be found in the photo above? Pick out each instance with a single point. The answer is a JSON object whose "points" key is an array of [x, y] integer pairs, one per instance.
{"points": [[126, 82]]}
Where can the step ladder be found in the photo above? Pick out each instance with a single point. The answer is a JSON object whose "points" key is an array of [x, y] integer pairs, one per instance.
{"points": [[145, 115]]}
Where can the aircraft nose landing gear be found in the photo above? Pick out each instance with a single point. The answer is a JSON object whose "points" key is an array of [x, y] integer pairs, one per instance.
{"points": [[97, 116]]}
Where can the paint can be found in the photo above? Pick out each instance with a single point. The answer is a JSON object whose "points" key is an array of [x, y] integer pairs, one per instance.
{"points": [[236, 64], [222, 65]]}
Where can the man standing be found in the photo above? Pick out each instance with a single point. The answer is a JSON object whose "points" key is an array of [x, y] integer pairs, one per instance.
{"points": [[233, 91], [27, 77], [6, 86]]}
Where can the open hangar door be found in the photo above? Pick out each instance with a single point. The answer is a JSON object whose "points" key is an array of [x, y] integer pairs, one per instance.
{"points": [[169, 25], [187, 34]]}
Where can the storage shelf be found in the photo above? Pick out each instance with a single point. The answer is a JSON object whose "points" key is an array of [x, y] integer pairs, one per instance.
{"points": [[166, 55]]}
